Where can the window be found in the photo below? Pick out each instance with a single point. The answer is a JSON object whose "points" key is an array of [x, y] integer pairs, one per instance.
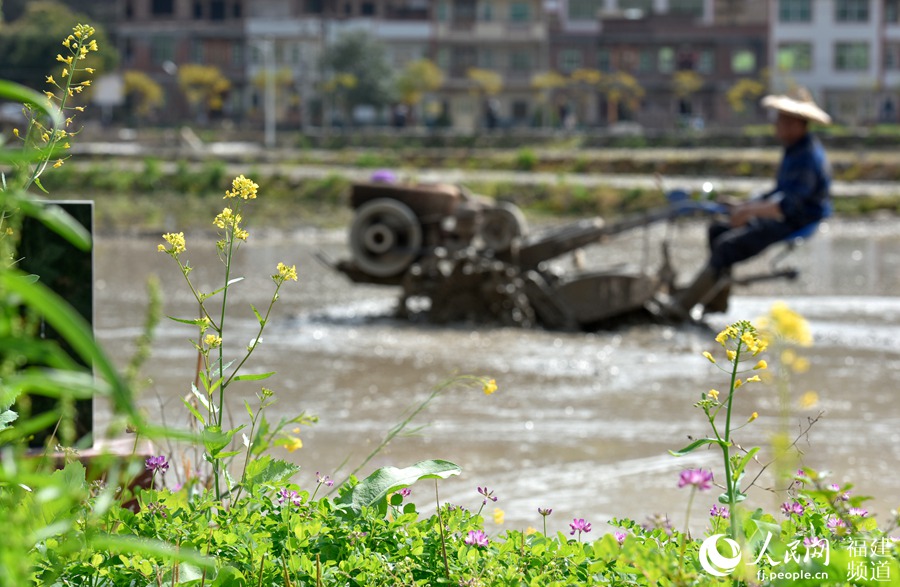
{"points": [[520, 111], [584, 9], [486, 58], [487, 11], [851, 56], [237, 55], [645, 6], [892, 11], [162, 49], [464, 10], [665, 61], [162, 7], [443, 58], [197, 51], [570, 60], [519, 12], [604, 60], [646, 61], [794, 57], [368, 9], [706, 61], [442, 11], [314, 6], [129, 10], [743, 61], [795, 10], [851, 10], [520, 61], [237, 10], [687, 7], [198, 10], [217, 10], [892, 56]]}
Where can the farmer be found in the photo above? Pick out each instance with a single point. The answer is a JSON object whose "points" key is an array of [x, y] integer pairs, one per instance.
{"points": [[800, 198]]}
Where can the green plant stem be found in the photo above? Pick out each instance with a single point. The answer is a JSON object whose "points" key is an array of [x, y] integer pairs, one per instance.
{"points": [[437, 502], [726, 451], [687, 529]]}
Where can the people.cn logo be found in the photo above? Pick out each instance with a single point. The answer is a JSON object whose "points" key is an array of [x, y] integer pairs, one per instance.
{"points": [[713, 562]]}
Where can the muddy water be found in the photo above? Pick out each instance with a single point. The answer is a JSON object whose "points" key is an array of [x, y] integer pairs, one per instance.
{"points": [[582, 421]]}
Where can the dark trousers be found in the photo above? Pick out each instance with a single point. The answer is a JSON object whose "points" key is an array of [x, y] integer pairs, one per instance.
{"points": [[729, 245]]}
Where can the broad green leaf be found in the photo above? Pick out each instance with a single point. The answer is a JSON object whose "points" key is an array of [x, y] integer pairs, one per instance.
{"points": [[57, 220], [119, 543], [215, 440], [374, 489], [254, 377], [266, 470], [77, 333], [7, 417], [696, 444]]}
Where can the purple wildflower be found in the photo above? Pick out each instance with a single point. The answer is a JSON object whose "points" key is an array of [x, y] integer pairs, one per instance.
{"points": [[157, 464], [620, 536], [287, 495], [579, 525], [814, 542], [405, 492], [545, 511], [477, 538], [792, 508], [861, 512], [836, 525], [842, 496], [488, 495], [326, 480], [719, 512], [158, 508], [697, 477]]}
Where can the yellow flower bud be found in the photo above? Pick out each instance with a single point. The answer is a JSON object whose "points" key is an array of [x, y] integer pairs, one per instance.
{"points": [[709, 357], [755, 378], [752, 417], [490, 386], [761, 365], [738, 383]]}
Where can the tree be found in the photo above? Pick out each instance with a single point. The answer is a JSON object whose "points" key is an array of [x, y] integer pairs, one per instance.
{"points": [[485, 85], [585, 82], [685, 84], [204, 87], [417, 79], [620, 88], [743, 91], [142, 93], [29, 44], [282, 82], [364, 58], [545, 83]]}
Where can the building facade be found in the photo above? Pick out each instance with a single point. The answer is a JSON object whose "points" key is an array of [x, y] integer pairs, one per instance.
{"points": [[847, 52], [157, 37]]}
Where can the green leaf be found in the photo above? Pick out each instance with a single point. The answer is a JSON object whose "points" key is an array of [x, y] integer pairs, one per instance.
{"points": [[739, 469], [696, 444], [77, 333], [254, 377], [7, 417], [215, 440], [262, 321], [194, 411], [57, 220], [374, 489], [116, 544], [193, 322], [266, 470], [223, 288]]}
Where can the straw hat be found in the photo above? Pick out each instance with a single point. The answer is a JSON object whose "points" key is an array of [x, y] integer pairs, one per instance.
{"points": [[798, 102]]}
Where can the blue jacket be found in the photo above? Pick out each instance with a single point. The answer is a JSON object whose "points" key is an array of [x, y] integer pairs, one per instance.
{"points": [[803, 183]]}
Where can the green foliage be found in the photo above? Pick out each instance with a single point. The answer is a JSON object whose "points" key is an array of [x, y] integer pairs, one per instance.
{"points": [[362, 58]]}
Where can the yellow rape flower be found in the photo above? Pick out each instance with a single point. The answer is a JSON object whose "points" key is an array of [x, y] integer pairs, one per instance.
{"points": [[490, 386], [730, 354], [212, 341], [293, 444], [760, 365], [800, 365], [240, 233], [285, 273], [809, 400], [58, 163], [713, 394], [50, 80], [499, 516], [176, 239], [738, 383], [242, 188]]}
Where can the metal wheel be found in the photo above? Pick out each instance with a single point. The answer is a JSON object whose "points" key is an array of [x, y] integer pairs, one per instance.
{"points": [[502, 225], [385, 237]]}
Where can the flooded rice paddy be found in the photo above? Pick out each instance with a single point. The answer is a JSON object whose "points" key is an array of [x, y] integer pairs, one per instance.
{"points": [[582, 421]]}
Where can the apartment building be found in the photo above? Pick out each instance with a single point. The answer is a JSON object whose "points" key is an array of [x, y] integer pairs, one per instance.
{"points": [[847, 52], [653, 40], [158, 36], [505, 37], [289, 38]]}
